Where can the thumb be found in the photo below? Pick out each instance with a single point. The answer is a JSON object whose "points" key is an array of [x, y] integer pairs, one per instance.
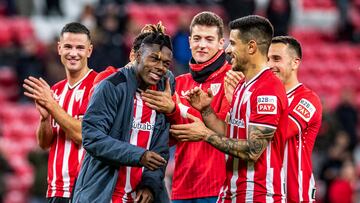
{"points": [[167, 86], [138, 195], [177, 98], [192, 117]]}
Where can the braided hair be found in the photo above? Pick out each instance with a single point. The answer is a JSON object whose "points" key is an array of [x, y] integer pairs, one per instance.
{"points": [[155, 34]]}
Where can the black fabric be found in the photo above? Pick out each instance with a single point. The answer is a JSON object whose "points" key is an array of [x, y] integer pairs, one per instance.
{"points": [[118, 78], [201, 76], [58, 200]]}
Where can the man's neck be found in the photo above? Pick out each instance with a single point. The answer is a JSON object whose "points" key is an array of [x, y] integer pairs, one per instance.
{"points": [[253, 69], [291, 83], [74, 77]]}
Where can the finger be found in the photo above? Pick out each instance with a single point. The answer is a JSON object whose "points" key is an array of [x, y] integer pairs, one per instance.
{"points": [[36, 81], [231, 82], [158, 158], [30, 95], [153, 92], [239, 75], [177, 98], [210, 94], [44, 82], [192, 117], [138, 195], [29, 89], [157, 97], [181, 126], [152, 106], [167, 86]]}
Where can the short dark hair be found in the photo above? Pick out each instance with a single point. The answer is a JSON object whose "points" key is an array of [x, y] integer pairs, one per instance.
{"points": [[291, 42], [157, 36], [208, 18], [76, 27], [254, 27]]}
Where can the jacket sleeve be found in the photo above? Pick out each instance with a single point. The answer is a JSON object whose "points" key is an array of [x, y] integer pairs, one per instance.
{"points": [[98, 123], [154, 179]]}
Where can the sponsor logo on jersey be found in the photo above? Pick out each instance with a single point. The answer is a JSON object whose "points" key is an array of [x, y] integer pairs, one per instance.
{"points": [[215, 87], [184, 93], [143, 126], [237, 122], [305, 109], [266, 104]]}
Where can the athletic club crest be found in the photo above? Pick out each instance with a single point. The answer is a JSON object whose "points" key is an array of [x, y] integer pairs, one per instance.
{"points": [[215, 87], [79, 95]]}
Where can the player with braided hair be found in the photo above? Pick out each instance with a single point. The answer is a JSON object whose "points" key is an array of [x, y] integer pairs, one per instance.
{"points": [[145, 31], [125, 140]]}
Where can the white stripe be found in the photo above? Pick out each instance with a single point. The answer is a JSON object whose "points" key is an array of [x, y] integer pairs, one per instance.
{"points": [[284, 172], [250, 173], [67, 147], [234, 178], [300, 178], [269, 176], [223, 192], [263, 125], [311, 188], [53, 182]]}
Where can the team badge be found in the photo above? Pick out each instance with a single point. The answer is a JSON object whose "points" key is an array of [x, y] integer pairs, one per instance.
{"points": [[79, 95], [266, 104], [215, 87], [305, 109]]}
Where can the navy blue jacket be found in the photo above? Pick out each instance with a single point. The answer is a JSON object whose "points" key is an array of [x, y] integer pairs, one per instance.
{"points": [[106, 134]]}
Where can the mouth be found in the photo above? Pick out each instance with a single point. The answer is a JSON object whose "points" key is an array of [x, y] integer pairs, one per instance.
{"points": [[72, 61], [155, 76]]}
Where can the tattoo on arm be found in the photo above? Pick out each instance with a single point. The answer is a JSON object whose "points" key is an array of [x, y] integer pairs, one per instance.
{"points": [[207, 111], [249, 149]]}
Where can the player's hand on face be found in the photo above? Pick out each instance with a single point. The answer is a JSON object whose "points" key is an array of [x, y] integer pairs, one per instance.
{"points": [[144, 195], [152, 160], [199, 99], [39, 90], [190, 132], [159, 101], [231, 80]]}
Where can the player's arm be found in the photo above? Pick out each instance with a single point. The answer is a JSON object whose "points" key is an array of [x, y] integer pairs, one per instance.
{"points": [[44, 133], [249, 149], [201, 101], [40, 91]]}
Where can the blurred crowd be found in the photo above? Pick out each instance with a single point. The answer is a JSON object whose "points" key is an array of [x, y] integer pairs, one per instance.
{"points": [[113, 27]]}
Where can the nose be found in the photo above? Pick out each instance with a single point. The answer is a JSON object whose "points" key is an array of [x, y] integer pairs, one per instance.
{"points": [[228, 49], [202, 43], [73, 52]]}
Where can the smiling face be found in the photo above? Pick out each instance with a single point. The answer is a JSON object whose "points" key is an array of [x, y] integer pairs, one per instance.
{"points": [[282, 61], [152, 63], [237, 50], [205, 42], [74, 50]]}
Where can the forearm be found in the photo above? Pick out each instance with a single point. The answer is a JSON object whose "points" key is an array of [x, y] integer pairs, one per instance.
{"points": [[70, 125], [249, 150], [212, 121], [44, 133]]}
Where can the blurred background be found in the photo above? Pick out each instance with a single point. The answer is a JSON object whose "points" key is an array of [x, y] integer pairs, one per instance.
{"points": [[329, 31]]}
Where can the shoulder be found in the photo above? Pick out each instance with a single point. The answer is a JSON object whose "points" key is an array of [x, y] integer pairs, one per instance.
{"points": [[185, 76], [104, 74], [117, 78], [59, 84]]}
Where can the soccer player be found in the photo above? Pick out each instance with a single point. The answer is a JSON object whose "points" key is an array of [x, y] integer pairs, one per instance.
{"points": [[145, 31], [61, 109], [199, 168], [126, 141], [304, 121], [254, 136]]}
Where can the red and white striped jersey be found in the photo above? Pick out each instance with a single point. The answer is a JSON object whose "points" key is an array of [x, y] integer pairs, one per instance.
{"points": [[305, 114], [65, 155], [258, 102], [141, 134]]}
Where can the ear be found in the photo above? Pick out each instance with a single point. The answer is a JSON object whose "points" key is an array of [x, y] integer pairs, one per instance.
{"points": [[252, 47], [132, 55], [221, 43], [90, 50], [295, 63], [59, 48], [190, 41], [137, 55]]}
